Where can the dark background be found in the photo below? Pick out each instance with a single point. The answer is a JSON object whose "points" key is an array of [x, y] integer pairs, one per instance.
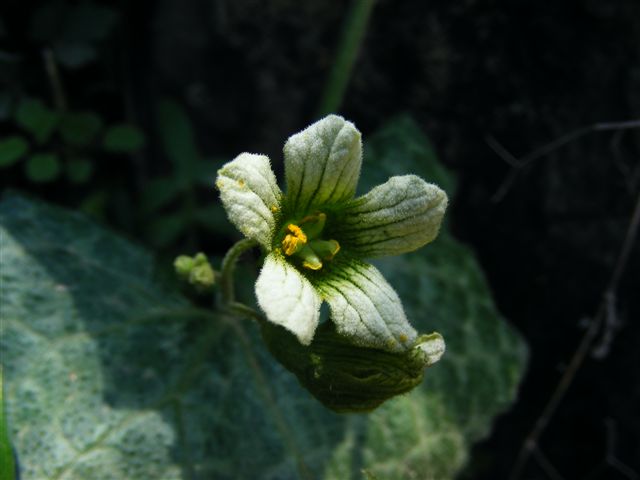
{"points": [[247, 74]]}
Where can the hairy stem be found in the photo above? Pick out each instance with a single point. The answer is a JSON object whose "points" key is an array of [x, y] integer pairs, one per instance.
{"points": [[227, 289], [59, 98]]}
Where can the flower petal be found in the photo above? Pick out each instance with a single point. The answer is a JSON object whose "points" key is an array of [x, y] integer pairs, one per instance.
{"points": [[431, 347], [287, 298], [365, 308], [322, 164], [250, 195], [396, 217]]}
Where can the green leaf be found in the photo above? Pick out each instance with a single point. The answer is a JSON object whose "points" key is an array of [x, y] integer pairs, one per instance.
{"points": [[6, 102], [42, 167], [205, 171], [159, 193], [88, 22], [36, 118], [79, 170], [12, 149], [111, 376], [79, 129], [47, 21], [178, 140], [165, 229], [7, 465], [74, 55], [58, 20], [123, 138], [401, 148], [95, 204], [214, 219]]}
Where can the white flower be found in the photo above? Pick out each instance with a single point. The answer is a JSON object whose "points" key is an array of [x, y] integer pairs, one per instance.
{"points": [[317, 234]]}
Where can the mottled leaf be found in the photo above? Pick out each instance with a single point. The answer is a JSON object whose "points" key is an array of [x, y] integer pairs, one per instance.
{"points": [[110, 376]]}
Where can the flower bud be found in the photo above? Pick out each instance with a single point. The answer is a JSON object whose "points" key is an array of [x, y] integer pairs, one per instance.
{"points": [[183, 266], [195, 270], [348, 378]]}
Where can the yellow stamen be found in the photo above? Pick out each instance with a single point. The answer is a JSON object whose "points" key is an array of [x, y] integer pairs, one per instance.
{"points": [[325, 249], [336, 248], [314, 224], [294, 241], [312, 265], [318, 217]]}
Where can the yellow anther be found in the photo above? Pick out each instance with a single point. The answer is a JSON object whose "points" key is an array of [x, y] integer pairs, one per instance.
{"points": [[325, 249], [294, 241], [310, 258], [403, 338], [241, 183], [312, 265], [314, 224], [318, 217], [274, 208], [297, 232], [336, 248]]}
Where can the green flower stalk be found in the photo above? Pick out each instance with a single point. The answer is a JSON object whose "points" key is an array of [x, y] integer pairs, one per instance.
{"points": [[318, 236]]}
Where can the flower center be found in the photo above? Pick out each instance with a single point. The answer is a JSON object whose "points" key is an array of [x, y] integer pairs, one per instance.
{"points": [[294, 240], [307, 245]]}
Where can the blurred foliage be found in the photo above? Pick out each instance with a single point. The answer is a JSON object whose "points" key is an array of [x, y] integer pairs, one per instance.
{"points": [[68, 131], [51, 141], [72, 30], [175, 195]]}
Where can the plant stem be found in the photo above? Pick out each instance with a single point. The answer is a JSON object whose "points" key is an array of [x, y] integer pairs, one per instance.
{"points": [[350, 41], [227, 289], [59, 98]]}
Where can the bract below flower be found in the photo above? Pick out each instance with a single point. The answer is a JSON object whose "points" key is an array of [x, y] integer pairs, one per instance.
{"points": [[318, 235]]}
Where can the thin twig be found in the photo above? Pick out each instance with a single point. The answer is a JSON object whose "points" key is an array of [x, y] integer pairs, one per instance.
{"points": [[611, 457], [531, 441], [546, 465], [50, 65], [518, 163]]}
